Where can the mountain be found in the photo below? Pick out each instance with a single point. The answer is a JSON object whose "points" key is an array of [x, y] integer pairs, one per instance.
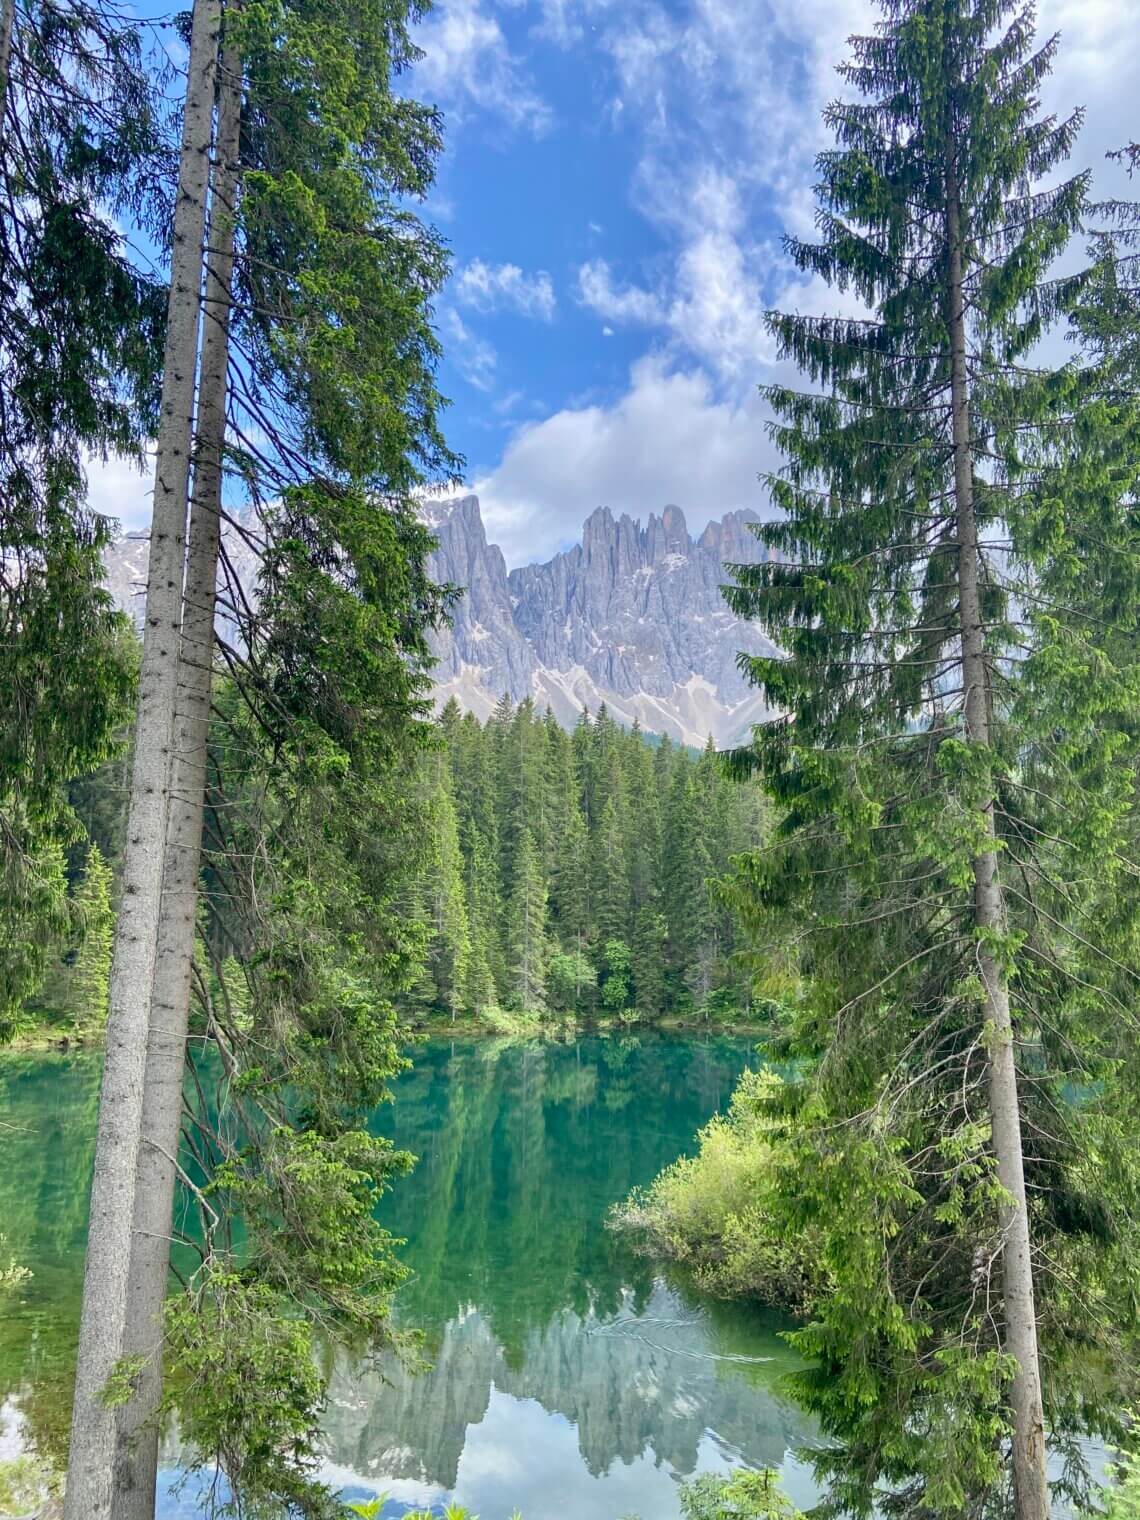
{"points": [[632, 616]]}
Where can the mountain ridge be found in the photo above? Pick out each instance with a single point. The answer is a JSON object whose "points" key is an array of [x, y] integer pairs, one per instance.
{"points": [[632, 616]]}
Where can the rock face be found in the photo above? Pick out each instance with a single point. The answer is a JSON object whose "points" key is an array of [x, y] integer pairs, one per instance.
{"points": [[484, 635], [632, 616]]}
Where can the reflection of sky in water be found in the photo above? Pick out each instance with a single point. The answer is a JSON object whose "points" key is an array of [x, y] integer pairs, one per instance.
{"points": [[568, 1377], [521, 1455], [600, 1419]]}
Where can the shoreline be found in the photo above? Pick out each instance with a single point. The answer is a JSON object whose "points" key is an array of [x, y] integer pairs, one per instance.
{"points": [[47, 1041]]}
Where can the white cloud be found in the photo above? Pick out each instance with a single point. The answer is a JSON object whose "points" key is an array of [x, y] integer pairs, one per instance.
{"points": [[596, 289], [714, 310], [468, 63], [117, 488], [669, 438], [558, 24], [725, 100], [710, 306], [718, 310], [565, 22], [491, 287], [475, 358]]}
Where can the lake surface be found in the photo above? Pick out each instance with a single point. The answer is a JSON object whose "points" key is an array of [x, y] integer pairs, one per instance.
{"points": [[570, 1377]]}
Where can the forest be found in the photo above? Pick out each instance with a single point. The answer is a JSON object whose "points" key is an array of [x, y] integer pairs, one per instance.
{"points": [[408, 1113], [576, 874]]}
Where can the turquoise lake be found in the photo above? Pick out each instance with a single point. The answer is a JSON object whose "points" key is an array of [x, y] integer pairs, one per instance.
{"points": [[570, 1377]]}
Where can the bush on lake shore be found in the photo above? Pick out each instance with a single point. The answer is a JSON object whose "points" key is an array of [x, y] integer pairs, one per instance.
{"points": [[709, 1211]]}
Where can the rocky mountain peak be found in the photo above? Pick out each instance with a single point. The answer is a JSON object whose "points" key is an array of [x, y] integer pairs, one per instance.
{"points": [[632, 616], [676, 530]]}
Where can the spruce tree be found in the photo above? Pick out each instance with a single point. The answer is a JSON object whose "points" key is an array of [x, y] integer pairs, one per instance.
{"points": [[105, 1313], [929, 688], [334, 648], [683, 866], [526, 929], [650, 934], [480, 879], [585, 765], [449, 950], [602, 871], [91, 969], [81, 149], [573, 888], [611, 873]]}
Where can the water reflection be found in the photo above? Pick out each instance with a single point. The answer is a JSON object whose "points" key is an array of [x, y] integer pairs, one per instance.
{"points": [[569, 1377]]}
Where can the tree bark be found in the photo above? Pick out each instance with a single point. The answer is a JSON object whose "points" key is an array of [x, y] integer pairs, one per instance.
{"points": [[102, 1330], [7, 23], [1030, 1477], [136, 1468]]}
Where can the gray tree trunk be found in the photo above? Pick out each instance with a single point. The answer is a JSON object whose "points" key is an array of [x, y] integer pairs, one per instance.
{"points": [[7, 22], [1030, 1477], [136, 1468], [102, 1329]]}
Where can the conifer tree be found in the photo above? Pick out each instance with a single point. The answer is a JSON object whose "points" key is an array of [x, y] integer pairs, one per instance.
{"points": [[450, 724], [81, 147], [650, 936], [683, 865], [611, 873], [561, 792], [449, 948], [642, 823], [585, 765], [601, 872], [526, 929], [941, 699], [91, 969], [105, 1313], [330, 157], [572, 886], [483, 914]]}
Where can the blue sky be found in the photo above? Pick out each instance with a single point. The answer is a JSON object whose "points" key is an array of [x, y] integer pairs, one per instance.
{"points": [[616, 181], [617, 178]]}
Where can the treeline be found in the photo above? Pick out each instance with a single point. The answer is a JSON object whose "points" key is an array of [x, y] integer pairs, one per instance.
{"points": [[575, 873]]}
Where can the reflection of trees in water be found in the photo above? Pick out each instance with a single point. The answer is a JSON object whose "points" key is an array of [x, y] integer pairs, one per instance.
{"points": [[523, 1148], [48, 1107], [650, 1381]]}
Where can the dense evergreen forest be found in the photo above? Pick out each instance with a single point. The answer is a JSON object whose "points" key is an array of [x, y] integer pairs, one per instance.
{"points": [[559, 876], [576, 874]]}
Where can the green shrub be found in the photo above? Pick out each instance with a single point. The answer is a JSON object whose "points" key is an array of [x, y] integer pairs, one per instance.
{"points": [[24, 1484], [11, 1273], [1121, 1500], [453, 1512], [743, 1496], [708, 1211]]}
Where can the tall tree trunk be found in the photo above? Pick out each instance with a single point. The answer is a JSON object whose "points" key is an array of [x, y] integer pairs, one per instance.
{"points": [[102, 1328], [1031, 1484], [136, 1469], [7, 23]]}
